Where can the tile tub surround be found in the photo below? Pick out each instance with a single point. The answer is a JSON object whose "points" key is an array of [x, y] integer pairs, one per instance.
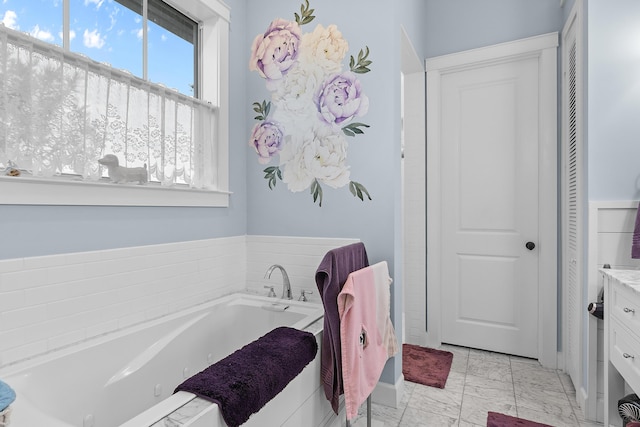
{"points": [[52, 302]]}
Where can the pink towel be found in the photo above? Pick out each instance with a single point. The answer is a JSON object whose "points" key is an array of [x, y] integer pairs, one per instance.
{"points": [[366, 333], [635, 244], [331, 274]]}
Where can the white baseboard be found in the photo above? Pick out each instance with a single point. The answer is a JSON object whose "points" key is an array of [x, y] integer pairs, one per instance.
{"points": [[389, 394], [592, 408]]}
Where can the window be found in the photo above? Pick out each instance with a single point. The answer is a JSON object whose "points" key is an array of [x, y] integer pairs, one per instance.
{"points": [[62, 112]]}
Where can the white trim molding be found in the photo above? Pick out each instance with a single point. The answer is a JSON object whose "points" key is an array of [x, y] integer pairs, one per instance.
{"points": [[33, 191], [543, 48]]}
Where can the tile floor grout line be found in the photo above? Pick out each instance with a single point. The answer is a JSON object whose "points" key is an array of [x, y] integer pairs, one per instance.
{"points": [[513, 387], [573, 409], [464, 384]]}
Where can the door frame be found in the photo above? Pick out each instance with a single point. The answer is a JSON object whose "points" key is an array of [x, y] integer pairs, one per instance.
{"points": [[544, 47], [414, 227]]}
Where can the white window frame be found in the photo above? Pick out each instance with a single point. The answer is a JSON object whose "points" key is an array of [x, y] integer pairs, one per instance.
{"points": [[213, 17]]}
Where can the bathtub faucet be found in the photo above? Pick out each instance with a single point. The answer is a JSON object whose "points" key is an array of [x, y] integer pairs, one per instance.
{"points": [[286, 285]]}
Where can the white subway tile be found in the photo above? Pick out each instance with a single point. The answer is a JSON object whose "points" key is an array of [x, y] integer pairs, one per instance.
{"points": [[84, 257], [102, 328], [23, 352], [157, 311], [22, 336], [46, 261], [81, 304], [12, 300], [10, 265], [23, 279], [59, 341], [131, 319], [22, 317]]}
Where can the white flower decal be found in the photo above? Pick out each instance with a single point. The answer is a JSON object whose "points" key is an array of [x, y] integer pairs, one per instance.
{"points": [[313, 107]]}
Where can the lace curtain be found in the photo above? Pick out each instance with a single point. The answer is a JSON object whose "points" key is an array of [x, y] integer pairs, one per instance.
{"points": [[61, 112]]}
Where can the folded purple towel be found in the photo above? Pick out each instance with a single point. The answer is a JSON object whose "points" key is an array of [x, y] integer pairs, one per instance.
{"points": [[635, 241], [243, 382]]}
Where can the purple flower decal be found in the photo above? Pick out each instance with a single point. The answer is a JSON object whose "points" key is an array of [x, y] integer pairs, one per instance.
{"points": [[340, 99], [266, 139], [276, 51], [313, 101]]}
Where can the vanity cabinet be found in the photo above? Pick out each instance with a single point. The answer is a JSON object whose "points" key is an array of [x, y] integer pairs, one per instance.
{"points": [[622, 339]]}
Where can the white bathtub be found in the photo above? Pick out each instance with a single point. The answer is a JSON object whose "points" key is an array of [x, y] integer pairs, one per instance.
{"points": [[127, 378]]}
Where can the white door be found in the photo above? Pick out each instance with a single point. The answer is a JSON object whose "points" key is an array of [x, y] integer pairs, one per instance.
{"points": [[490, 207]]}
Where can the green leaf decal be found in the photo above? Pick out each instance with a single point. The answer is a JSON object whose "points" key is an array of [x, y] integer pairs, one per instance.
{"points": [[353, 129], [358, 190], [362, 66], [316, 191], [270, 174], [306, 14], [262, 110]]}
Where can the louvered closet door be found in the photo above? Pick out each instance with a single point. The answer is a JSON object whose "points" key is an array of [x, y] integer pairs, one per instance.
{"points": [[572, 222]]}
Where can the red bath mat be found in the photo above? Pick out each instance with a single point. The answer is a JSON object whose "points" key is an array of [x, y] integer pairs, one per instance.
{"points": [[495, 419], [426, 366]]}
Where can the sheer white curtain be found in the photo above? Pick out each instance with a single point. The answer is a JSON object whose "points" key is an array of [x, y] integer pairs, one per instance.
{"points": [[61, 112]]}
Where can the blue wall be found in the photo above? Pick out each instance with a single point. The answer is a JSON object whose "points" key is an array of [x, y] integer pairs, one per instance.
{"points": [[43, 230], [456, 25], [566, 8], [412, 15], [614, 100]]}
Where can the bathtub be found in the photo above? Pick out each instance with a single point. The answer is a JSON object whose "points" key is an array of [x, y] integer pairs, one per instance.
{"points": [[127, 378]]}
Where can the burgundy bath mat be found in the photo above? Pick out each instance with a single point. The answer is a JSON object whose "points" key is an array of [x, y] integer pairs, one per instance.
{"points": [[495, 419], [426, 366]]}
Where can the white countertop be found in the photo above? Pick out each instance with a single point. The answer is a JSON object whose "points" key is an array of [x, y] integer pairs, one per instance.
{"points": [[629, 278]]}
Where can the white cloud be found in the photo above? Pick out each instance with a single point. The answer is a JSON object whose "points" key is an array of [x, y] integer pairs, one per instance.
{"points": [[112, 18], [98, 3], [163, 37], [10, 19], [43, 35], [93, 39], [138, 32]]}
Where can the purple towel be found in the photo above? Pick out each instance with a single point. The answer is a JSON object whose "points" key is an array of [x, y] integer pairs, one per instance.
{"points": [[331, 274], [243, 382], [635, 244]]}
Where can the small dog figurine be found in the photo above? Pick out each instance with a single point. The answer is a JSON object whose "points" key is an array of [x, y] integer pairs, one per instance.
{"points": [[119, 174]]}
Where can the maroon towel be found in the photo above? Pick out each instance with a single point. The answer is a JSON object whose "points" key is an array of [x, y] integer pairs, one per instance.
{"points": [[635, 244], [243, 382], [331, 274]]}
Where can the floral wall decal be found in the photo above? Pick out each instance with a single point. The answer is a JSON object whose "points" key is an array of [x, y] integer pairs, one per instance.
{"points": [[315, 103]]}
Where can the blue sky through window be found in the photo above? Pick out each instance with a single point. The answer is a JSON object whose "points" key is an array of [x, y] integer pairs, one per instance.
{"points": [[106, 31]]}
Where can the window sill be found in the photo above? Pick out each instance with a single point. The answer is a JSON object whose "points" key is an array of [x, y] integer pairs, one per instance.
{"points": [[33, 191]]}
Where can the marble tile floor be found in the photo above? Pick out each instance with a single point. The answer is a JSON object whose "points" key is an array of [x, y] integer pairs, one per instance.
{"points": [[482, 381]]}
